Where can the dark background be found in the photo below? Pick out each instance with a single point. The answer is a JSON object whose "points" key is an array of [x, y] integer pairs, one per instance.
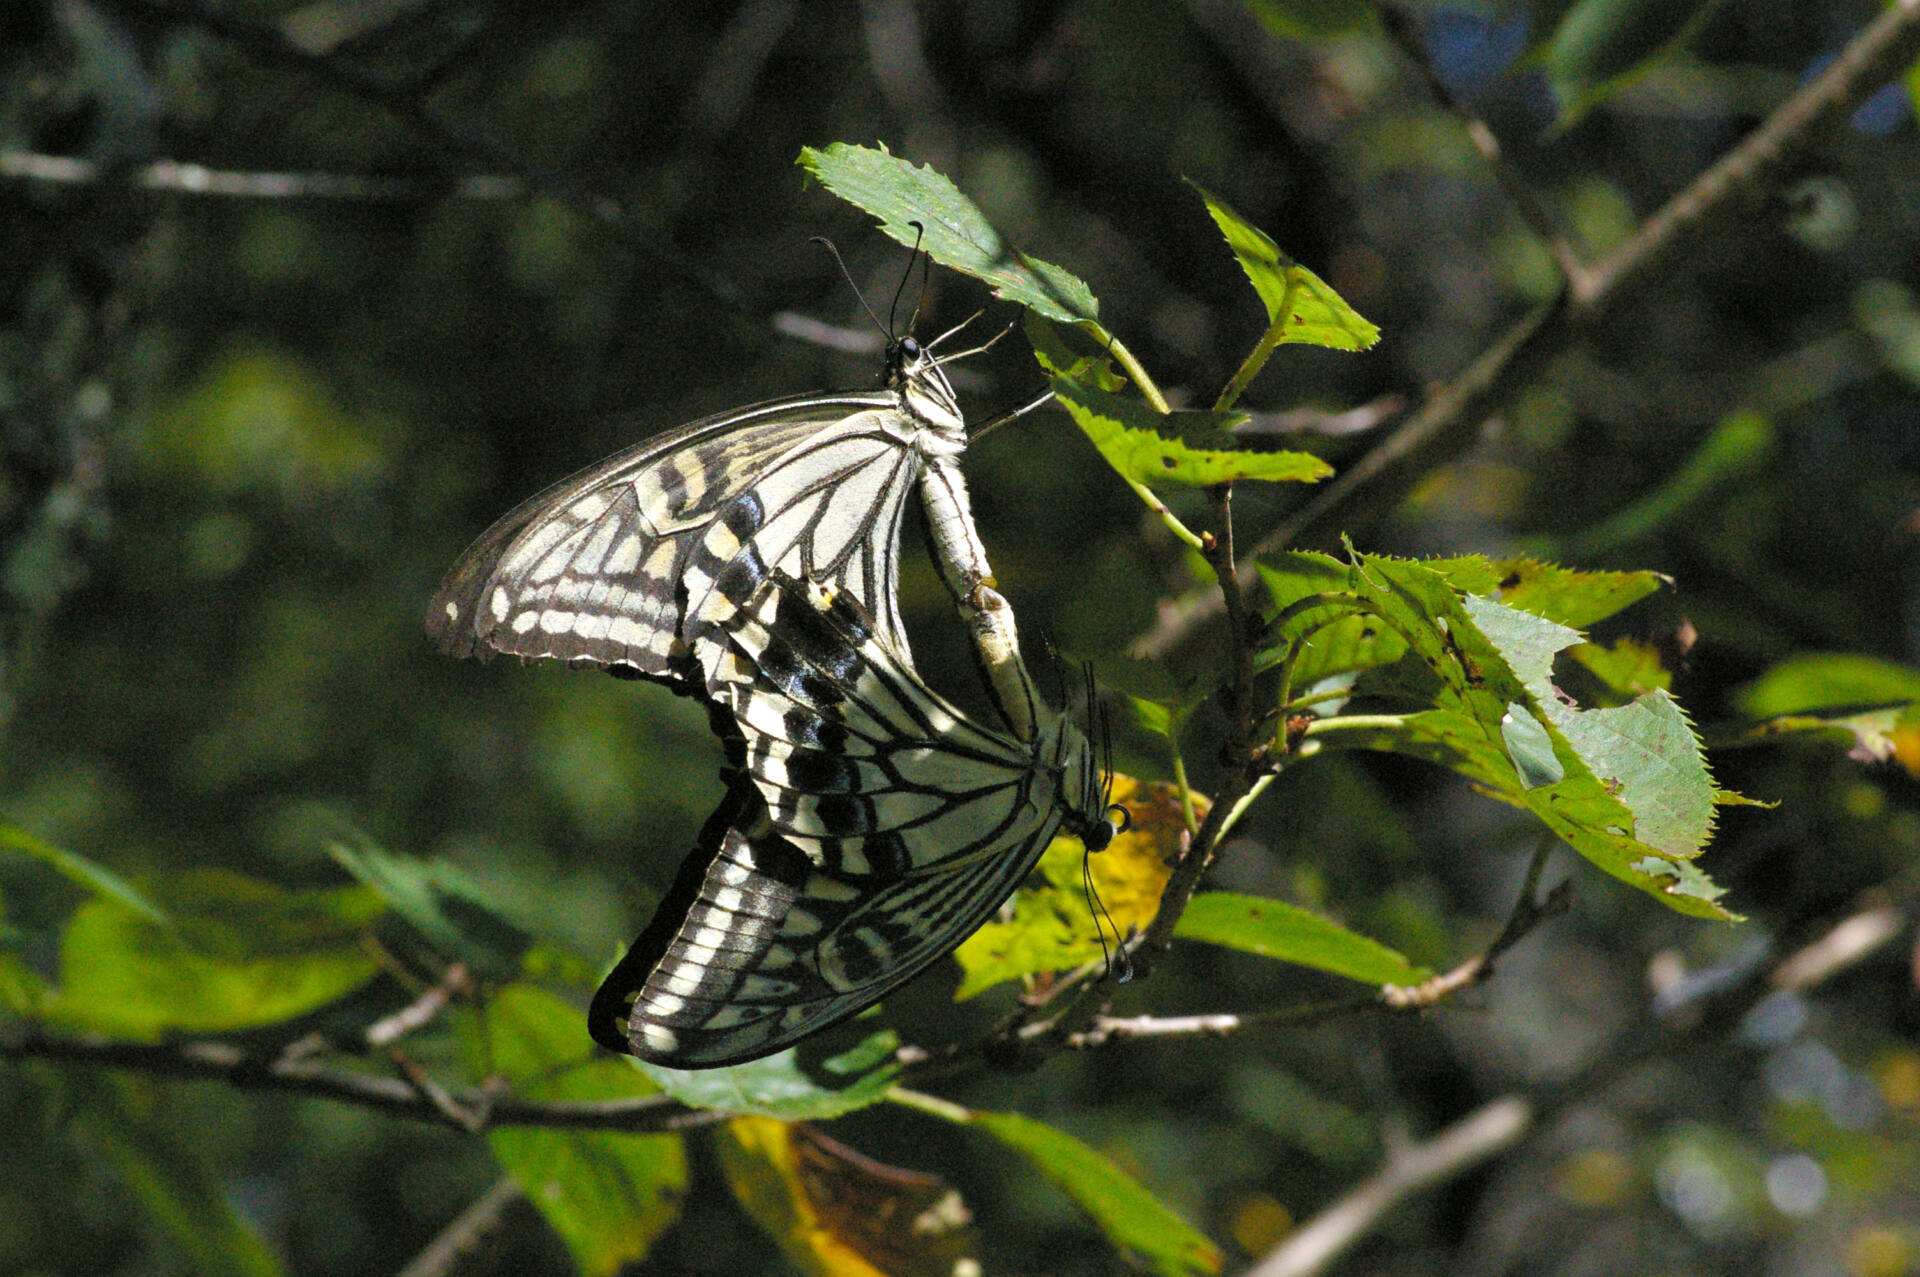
{"points": [[242, 436]]}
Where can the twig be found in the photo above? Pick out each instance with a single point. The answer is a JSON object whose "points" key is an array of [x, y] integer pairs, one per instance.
{"points": [[1847, 943], [467, 1230], [1528, 912], [1238, 753], [408, 103], [1399, 26], [196, 179], [397, 1097], [1491, 1129], [422, 1010], [1449, 419]]}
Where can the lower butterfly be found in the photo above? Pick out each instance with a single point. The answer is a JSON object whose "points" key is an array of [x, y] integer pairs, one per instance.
{"points": [[869, 828]]}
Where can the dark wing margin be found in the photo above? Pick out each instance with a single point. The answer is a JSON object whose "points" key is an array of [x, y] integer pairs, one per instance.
{"points": [[755, 949]]}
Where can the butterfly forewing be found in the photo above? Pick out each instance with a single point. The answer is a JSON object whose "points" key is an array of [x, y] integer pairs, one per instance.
{"points": [[607, 568], [873, 829]]}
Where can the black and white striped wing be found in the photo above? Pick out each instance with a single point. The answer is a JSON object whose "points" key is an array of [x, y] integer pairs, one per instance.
{"points": [[874, 829], [626, 564]]}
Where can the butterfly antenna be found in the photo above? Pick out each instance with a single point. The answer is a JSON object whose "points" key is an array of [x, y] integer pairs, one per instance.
{"points": [[920, 233], [980, 432], [847, 275], [1119, 963]]}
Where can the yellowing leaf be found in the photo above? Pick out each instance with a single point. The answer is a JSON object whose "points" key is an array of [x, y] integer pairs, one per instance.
{"points": [[1052, 926], [836, 1213]]}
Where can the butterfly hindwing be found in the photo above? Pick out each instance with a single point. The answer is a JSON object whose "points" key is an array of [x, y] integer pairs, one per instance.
{"points": [[873, 829]]}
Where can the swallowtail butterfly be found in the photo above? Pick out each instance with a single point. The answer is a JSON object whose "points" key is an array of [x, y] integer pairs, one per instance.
{"points": [[630, 564], [869, 828]]}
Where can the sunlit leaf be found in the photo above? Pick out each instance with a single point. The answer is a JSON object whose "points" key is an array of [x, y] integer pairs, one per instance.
{"points": [[792, 1085], [1153, 448], [1061, 351], [1301, 306], [166, 1177], [956, 233], [1827, 680], [1275, 929], [242, 953], [608, 1195], [1635, 790], [1053, 926], [1132, 1218], [836, 1213], [1619, 672], [1571, 596]]}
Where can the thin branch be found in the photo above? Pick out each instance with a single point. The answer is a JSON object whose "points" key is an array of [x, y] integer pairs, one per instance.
{"points": [[1239, 750], [423, 1010], [1528, 912], [1449, 420], [408, 104], [468, 1229], [394, 1096], [1400, 28], [1484, 1133], [195, 179]]}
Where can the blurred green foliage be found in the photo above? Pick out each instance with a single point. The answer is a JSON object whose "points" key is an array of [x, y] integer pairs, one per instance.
{"points": [[241, 436]]}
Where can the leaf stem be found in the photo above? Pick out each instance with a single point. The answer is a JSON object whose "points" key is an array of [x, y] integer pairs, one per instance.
{"points": [[1135, 370], [933, 1104], [1263, 349]]}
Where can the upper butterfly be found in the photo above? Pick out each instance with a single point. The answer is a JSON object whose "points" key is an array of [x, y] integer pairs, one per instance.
{"points": [[632, 564]]}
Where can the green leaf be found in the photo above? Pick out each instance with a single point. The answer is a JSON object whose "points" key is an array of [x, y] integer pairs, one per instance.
{"points": [[1054, 349], [1828, 680], [1132, 1218], [80, 871], [1311, 19], [167, 1177], [1635, 789], [957, 234], [451, 912], [1275, 929], [793, 1085], [1566, 595], [241, 954], [1731, 454], [1301, 307], [1601, 47], [1321, 621], [1150, 447], [1617, 673], [609, 1196], [1872, 734], [1339, 635]]}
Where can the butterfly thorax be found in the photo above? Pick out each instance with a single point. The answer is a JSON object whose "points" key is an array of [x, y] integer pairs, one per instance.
{"points": [[925, 393]]}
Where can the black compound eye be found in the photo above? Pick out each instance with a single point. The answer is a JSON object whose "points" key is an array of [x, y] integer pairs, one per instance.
{"points": [[909, 348]]}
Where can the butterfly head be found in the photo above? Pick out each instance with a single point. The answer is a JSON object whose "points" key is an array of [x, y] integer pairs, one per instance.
{"points": [[1087, 777], [914, 373]]}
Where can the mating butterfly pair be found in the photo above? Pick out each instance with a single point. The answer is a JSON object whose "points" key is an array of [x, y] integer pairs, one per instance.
{"points": [[750, 559]]}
